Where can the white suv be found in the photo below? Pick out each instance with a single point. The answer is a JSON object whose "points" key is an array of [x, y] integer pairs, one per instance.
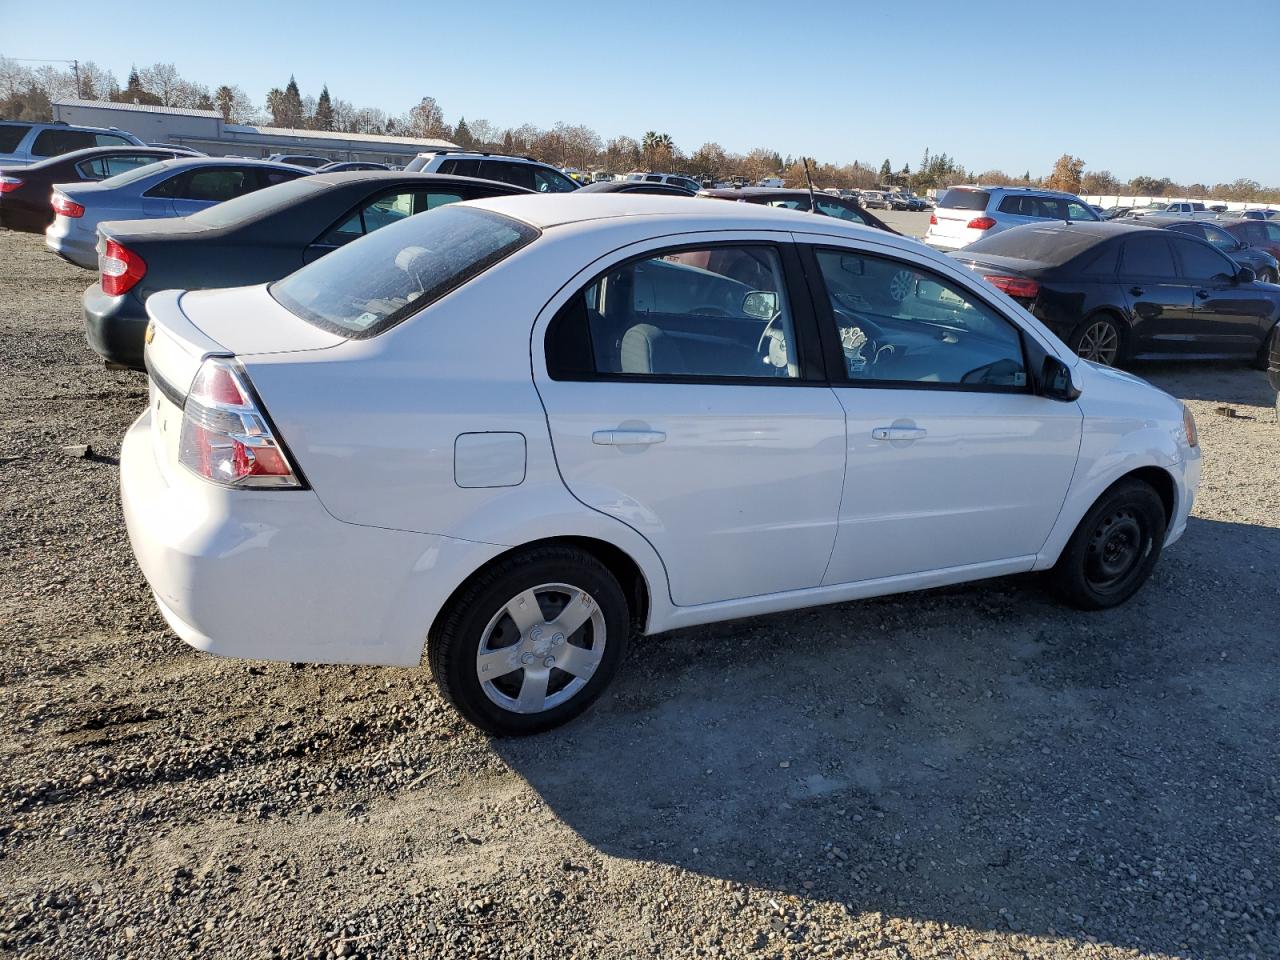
{"points": [[522, 171], [966, 214]]}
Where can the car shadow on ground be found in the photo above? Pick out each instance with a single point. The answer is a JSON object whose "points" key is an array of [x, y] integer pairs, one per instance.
{"points": [[978, 756], [1215, 382]]}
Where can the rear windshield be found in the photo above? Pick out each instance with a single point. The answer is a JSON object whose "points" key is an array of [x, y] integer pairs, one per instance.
{"points": [[249, 206], [964, 200], [372, 284], [1051, 246]]}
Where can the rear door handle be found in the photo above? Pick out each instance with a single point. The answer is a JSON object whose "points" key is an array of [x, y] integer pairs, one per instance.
{"points": [[898, 433], [1137, 291], [627, 438], [1202, 294]]}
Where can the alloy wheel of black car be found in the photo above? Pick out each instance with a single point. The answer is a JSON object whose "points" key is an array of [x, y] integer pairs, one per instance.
{"points": [[1099, 341]]}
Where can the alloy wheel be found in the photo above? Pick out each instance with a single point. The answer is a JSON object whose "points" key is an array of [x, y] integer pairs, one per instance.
{"points": [[1100, 343], [541, 648]]}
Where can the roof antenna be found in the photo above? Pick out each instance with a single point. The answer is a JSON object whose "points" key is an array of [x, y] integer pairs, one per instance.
{"points": [[813, 203]]}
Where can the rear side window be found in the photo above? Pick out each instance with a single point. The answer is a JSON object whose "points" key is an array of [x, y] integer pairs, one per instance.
{"points": [[461, 168], [364, 288], [217, 185], [1149, 257], [965, 200], [521, 174], [53, 142], [830, 208], [10, 136], [250, 206]]}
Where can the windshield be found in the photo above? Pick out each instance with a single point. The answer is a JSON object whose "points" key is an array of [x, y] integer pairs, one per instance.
{"points": [[373, 283], [964, 200], [250, 205]]}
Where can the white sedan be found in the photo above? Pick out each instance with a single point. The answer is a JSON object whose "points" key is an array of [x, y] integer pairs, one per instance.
{"points": [[511, 432]]}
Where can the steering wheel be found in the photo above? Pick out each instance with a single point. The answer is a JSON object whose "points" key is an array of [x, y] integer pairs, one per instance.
{"points": [[875, 337]]}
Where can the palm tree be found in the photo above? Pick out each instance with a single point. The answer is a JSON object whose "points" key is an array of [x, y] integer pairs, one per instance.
{"points": [[657, 147]]}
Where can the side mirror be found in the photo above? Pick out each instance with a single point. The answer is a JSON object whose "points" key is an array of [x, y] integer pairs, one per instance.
{"points": [[1246, 275], [761, 304], [1055, 381]]}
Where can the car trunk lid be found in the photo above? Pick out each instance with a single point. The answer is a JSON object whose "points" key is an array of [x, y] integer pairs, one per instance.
{"points": [[956, 208]]}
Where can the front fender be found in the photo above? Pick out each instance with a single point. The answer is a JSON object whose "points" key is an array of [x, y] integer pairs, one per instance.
{"points": [[1129, 425]]}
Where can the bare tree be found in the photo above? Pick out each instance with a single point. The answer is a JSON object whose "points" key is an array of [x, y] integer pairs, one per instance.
{"points": [[427, 120], [164, 81]]}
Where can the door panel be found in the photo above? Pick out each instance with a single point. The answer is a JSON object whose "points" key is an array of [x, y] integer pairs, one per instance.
{"points": [[984, 482], [950, 459], [682, 401], [740, 496], [1161, 303]]}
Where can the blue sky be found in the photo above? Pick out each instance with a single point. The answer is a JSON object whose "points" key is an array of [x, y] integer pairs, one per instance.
{"points": [[1132, 86]]}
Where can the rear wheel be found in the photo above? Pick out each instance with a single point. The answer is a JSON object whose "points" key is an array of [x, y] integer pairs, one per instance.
{"points": [[1113, 550], [1099, 339], [531, 642]]}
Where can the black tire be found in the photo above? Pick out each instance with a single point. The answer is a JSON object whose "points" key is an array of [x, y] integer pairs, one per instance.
{"points": [[1095, 570], [455, 640], [1268, 357], [1089, 328]]}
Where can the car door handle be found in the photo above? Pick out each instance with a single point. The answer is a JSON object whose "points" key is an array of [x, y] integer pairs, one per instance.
{"points": [[1202, 294], [627, 438], [1137, 291], [898, 433]]}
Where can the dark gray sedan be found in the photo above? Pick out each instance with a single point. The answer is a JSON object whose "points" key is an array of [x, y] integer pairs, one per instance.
{"points": [[253, 239]]}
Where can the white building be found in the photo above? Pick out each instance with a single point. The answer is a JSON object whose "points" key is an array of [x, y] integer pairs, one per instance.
{"points": [[206, 131]]}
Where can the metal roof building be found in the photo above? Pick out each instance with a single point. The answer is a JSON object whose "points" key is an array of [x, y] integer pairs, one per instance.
{"points": [[205, 130]]}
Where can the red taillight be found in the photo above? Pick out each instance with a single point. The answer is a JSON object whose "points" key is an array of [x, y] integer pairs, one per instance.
{"points": [[981, 223], [1015, 286], [225, 436], [120, 267], [66, 207], [9, 183], [933, 219]]}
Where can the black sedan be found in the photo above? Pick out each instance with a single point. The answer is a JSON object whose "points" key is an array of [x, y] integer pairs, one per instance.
{"points": [[826, 204], [1115, 292], [637, 186], [25, 191], [255, 238], [1264, 265]]}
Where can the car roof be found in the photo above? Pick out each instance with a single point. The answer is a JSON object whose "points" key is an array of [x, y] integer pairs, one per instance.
{"points": [[1038, 191], [723, 192], [185, 162], [600, 210], [401, 176]]}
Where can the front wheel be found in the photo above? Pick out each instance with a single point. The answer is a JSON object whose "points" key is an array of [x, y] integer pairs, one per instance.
{"points": [[531, 642], [1113, 550]]}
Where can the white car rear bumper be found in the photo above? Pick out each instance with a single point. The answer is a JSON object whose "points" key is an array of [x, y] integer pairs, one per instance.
{"points": [[270, 574]]}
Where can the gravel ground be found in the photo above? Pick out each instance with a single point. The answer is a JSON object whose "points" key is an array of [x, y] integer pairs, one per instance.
{"points": [[968, 773]]}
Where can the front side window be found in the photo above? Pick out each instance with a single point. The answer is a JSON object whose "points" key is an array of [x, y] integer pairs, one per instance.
{"points": [[1220, 238], [709, 312], [830, 208], [906, 326], [548, 181], [365, 288], [384, 211], [788, 203], [1201, 262], [1078, 211]]}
